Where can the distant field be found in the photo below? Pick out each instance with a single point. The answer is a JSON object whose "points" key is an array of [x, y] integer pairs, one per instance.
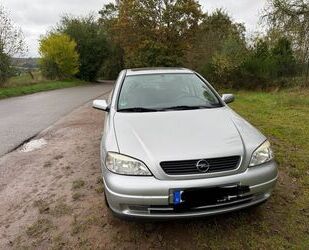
{"points": [[24, 84], [25, 79]]}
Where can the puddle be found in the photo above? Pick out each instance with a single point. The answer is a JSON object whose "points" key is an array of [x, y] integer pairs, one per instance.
{"points": [[33, 145]]}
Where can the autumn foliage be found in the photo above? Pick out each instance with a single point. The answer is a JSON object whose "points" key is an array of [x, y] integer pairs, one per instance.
{"points": [[59, 58], [156, 33]]}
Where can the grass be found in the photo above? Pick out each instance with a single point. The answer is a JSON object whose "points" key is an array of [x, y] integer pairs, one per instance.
{"points": [[61, 209], [25, 79], [42, 205], [78, 184], [39, 227], [59, 242], [24, 85], [38, 87], [77, 196], [284, 117], [80, 225], [100, 189]]}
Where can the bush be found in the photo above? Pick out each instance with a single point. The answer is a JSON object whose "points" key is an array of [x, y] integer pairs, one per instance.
{"points": [[262, 66], [59, 58], [266, 67]]}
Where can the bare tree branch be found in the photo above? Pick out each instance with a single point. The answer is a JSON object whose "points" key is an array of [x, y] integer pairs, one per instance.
{"points": [[11, 37]]}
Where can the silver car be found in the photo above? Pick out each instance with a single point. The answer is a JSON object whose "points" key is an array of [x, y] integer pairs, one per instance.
{"points": [[172, 148]]}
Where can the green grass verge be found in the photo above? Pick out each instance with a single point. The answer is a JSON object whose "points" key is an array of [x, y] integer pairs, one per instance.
{"points": [[37, 87], [25, 79], [283, 222]]}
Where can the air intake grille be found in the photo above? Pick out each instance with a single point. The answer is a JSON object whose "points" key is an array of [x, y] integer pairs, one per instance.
{"points": [[190, 166]]}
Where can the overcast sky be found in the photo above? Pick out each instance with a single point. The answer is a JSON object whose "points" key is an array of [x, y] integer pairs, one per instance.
{"points": [[35, 17]]}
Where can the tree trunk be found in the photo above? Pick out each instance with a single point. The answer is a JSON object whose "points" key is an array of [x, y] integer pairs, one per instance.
{"points": [[30, 73]]}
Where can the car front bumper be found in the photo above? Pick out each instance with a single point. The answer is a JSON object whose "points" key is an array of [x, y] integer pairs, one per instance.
{"points": [[148, 197]]}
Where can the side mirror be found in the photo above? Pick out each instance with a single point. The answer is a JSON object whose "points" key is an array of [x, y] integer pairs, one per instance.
{"points": [[228, 98], [100, 104]]}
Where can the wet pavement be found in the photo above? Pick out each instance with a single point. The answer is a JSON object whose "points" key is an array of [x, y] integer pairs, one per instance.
{"points": [[23, 117]]}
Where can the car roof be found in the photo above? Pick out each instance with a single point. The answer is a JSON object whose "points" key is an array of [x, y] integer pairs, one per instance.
{"points": [[150, 71]]}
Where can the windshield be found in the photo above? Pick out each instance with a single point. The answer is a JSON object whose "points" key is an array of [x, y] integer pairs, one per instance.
{"points": [[158, 92]]}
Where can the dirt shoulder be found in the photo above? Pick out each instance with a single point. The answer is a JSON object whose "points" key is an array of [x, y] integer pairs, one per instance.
{"points": [[46, 192], [52, 198]]}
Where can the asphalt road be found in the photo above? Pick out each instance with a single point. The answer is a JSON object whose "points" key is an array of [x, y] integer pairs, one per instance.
{"points": [[23, 117]]}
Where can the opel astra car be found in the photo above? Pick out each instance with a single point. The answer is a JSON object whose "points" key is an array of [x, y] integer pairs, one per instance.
{"points": [[172, 148]]}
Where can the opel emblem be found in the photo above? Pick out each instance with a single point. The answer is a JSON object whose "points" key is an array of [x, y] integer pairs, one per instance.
{"points": [[202, 166]]}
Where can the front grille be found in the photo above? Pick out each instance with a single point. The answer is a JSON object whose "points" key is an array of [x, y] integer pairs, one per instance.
{"points": [[189, 166]]}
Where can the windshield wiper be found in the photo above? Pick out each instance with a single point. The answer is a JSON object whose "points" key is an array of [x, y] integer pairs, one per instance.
{"points": [[138, 109], [183, 107]]}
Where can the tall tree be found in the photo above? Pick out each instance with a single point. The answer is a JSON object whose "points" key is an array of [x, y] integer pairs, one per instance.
{"points": [[91, 43], [219, 42], [153, 32], [4, 68], [291, 18], [283, 56], [115, 59], [11, 37], [11, 43]]}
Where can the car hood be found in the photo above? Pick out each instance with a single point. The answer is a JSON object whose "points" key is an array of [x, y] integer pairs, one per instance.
{"points": [[178, 135]]}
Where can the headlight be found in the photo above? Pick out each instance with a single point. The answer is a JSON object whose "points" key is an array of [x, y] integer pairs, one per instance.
{"points": [[121, 164], [262, 154]]}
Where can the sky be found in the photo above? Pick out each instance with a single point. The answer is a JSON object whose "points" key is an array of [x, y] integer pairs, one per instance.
{"points": [[36, 17]]}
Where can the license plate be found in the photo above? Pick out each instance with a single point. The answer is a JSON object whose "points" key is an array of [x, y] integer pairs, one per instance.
{"points": [[207, 196]]}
